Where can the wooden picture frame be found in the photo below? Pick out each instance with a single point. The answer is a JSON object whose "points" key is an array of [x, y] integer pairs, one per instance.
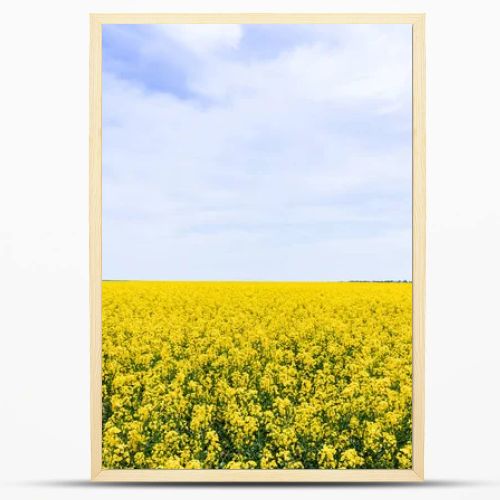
{"points": [[418, 231]]}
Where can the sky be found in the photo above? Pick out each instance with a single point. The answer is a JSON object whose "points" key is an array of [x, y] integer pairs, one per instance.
{"points": [[257, 152]]}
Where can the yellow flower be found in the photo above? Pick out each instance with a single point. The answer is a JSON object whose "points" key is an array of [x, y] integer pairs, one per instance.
{"points": [[256, 375]]}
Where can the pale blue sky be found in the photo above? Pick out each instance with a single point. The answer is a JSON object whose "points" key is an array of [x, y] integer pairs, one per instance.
{"points": [[257, 152]]}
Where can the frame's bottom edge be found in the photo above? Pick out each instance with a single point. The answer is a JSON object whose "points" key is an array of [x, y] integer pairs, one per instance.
{"points": [[256, 476]]}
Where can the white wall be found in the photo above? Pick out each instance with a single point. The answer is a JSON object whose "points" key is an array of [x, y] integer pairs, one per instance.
{"points": [[44, 450]]}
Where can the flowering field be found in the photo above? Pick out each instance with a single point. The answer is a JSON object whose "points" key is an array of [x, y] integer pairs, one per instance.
{"points": [[256, 375]]}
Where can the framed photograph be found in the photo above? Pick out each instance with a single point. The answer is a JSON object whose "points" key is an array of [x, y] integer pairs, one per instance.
{"points": [[257, 247]]}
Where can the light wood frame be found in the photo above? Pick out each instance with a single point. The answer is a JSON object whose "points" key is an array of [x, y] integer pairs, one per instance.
{"points": [[216, 475]]}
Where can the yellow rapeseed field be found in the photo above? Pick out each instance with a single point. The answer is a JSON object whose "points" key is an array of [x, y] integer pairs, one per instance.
{"points": [[257, 375]]}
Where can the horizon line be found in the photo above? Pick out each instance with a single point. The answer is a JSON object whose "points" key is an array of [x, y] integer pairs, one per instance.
{"points": [[263, 281]]}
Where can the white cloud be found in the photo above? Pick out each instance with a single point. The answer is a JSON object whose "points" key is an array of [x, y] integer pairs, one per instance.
{"points": [[203, 38], [293, 169], [368, 67]]}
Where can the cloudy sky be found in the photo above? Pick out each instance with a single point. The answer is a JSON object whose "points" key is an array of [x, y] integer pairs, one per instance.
{"points": [[257, 152]]}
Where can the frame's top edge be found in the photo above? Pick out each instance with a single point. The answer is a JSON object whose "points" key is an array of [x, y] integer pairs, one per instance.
{"points": [[258, 17]]}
